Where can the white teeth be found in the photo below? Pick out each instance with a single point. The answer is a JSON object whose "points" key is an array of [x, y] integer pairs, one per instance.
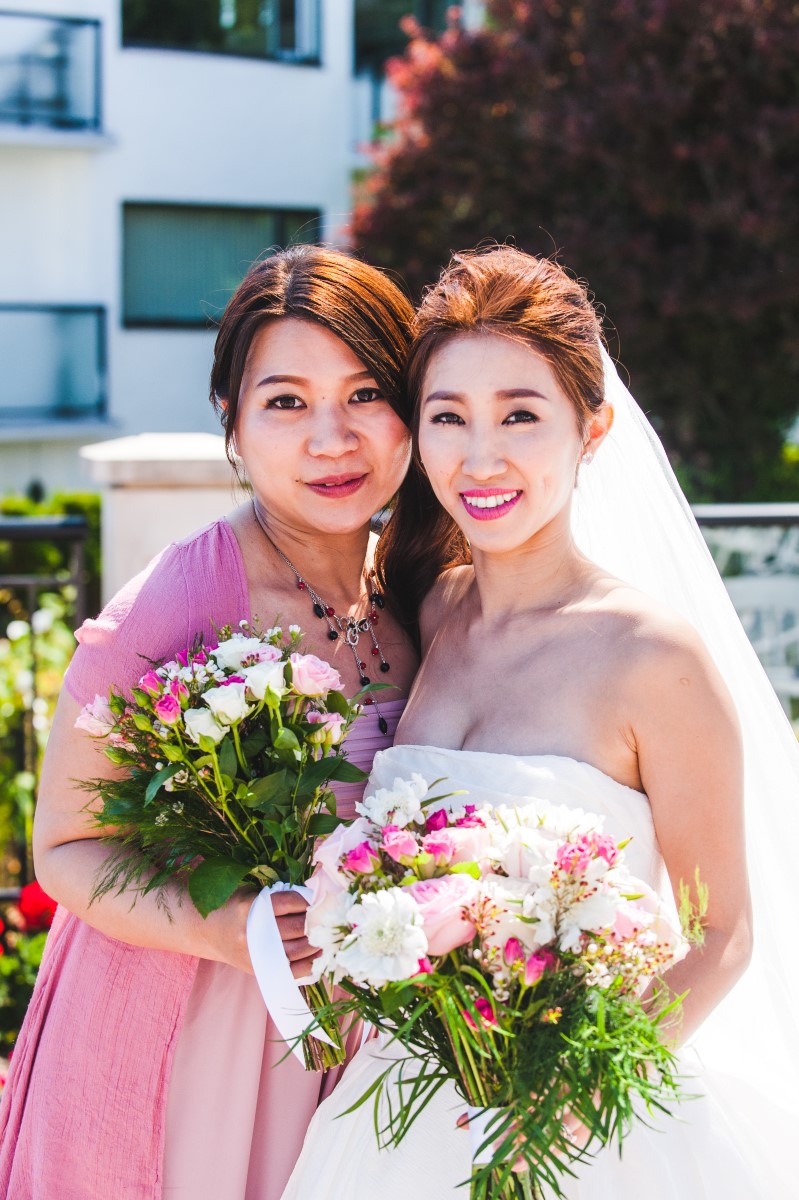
{"points": [[490, 501]]}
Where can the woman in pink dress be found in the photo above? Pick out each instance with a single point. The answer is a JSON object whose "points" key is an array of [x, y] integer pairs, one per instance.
{"points": [[147, 1067]]}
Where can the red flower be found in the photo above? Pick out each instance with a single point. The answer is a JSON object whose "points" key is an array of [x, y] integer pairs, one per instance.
{"points": [[36, 907]]}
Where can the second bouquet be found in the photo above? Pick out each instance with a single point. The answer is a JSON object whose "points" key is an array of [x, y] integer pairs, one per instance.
{"points": [[227, 755]]}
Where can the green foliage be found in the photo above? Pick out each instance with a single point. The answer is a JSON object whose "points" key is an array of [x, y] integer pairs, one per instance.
{"points": [[33, 657], [650, 144], [18, 969], [50, 558]]}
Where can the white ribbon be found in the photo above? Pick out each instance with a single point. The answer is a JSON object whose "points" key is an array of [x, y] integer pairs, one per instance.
{"points": [[479, 1119], [279, 988]]}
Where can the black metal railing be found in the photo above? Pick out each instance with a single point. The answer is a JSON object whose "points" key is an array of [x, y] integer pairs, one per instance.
{"points": [[50, 71], [54, 362]]}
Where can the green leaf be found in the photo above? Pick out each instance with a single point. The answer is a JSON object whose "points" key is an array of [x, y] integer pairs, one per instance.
{"points": [[228, 763], [322, 823], [269, 789], [286, 740], [465, 868], [158, 780], [315, 774], [173, 753], [336, 702], [254, 743], [347, 772], [214, 882]]}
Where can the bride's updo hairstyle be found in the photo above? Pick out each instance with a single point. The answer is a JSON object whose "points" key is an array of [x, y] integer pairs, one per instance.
{"points": [[354, 301], [498, 290]]}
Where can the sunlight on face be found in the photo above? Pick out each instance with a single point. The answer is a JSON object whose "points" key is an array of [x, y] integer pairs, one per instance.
{"points": [[499, 439], [322, 447]]}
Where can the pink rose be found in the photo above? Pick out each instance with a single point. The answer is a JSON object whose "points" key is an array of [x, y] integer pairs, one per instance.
{"points": [[437, 820], [96, 718], [151, 683], [444, 903], [513, 951], [329, 728], [471, 843], [330, 850], [311, 676], [536, 964], [470, 818], [485, 1013], [178, 689], [361, 860], [399, 844], [441, 846], [167, 709]]}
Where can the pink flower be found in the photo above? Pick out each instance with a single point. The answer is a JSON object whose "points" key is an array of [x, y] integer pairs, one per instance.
{"points": [[471, 842], [330, 728], [470, 819], [330, 850], [178, 689], [167, 709], [485, 1012], [536, 965], [437, 820], [441, 846], [96, 718], [182, 658], [399, 844], [573, 858], [513, 951], [151, 683], [425, 967], [444, 905], [311, 676], [361, 860]]}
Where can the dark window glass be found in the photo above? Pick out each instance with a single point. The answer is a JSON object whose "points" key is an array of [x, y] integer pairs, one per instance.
{"points": [[182, 262], [49, 72], [282, 29], [377, 27]]}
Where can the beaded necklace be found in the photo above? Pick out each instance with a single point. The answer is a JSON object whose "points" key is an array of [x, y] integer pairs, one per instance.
{"points": [[349, 627]]}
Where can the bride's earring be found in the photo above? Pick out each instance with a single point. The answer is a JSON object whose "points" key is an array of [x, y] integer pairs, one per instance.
{"points": [[587, 457]]}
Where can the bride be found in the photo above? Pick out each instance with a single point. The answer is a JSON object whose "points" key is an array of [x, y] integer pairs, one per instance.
{"points": [[547, 675]]}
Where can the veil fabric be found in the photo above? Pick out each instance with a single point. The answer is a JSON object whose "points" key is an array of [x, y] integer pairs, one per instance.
{"points": [[631, 517]]}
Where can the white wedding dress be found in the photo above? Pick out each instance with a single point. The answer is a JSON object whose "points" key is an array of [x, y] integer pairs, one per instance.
{"points": [[729, 1143]]}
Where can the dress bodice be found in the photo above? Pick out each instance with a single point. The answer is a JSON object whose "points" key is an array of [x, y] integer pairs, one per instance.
{"points": [[551, 779]]}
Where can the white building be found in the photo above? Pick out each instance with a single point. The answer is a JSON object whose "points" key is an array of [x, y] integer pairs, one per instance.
{"points": [[149, 151]]}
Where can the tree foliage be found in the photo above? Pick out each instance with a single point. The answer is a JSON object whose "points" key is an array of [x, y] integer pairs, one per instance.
{"points": [[653, 145]]}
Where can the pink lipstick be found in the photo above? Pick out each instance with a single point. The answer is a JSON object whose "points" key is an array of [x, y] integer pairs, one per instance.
{"points": [[336, 486], [489, 504]]}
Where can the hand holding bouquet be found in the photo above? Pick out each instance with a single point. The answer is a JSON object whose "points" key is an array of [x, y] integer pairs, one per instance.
{"points": [[507, 951], [227, 752]]}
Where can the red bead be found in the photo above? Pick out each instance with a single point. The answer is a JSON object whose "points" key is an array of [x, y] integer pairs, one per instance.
{"points": [[300, 585], [369, 700], [331, 612], [375, 650], [374, 617], [362, 666]]}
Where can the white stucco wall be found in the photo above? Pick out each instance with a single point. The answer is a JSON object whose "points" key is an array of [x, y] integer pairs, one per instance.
{"points": [[177, 127]]}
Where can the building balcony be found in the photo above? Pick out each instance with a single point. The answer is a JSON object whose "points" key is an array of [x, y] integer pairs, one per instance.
{"points": [[286, 31], [49, 75], [54, 370]]}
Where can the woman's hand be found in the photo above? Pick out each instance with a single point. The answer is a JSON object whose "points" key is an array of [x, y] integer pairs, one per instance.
{"points": [[289, 909]]}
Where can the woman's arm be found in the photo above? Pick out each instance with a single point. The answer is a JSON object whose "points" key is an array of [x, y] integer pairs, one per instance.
{"points": [[69, 856], [686, 735]]}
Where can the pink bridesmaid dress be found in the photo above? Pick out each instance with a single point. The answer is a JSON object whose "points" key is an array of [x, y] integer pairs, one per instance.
{"points": [[142, 1074]]}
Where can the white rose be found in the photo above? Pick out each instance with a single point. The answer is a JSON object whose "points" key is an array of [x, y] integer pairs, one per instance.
{"points": [[200, 722], [231, 653], [227, 703], [265, 676]]}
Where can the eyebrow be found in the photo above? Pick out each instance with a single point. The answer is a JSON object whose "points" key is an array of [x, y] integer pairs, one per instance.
{"points": [[518, 393], [300, 379]]}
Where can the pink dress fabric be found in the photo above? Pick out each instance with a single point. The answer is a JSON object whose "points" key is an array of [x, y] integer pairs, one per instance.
{"points": [[142, 1074]]}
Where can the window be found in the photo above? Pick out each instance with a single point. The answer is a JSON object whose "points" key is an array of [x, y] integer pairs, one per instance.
{"points": [[377, 28], [278, 29], [182, 262], [53, 360], [49, 71]]}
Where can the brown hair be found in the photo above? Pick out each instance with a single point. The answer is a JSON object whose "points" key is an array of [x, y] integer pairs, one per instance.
{"points": [[356, 302], [495, 290]]}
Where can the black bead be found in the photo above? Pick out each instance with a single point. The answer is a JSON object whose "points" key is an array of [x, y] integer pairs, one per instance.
{"points": [[379, 601], [384, 666], [365, 679], [382, 724], [318, 610], [331, 633]]}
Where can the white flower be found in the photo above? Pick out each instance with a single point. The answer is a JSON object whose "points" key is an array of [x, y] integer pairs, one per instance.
{"points": [[387, 938], [397, 805], [96, 718], [162, 818], [42, 620], [509, 918], [228, 703], [327, 924], [200, 722], [17, 630], [231, 653], [295, 630], [266, 676]]}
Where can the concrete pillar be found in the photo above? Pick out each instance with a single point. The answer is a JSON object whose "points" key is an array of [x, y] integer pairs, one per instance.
{"points": [[157, 487]]}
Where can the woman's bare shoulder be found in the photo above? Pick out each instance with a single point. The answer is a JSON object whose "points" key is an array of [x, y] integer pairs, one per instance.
{"points": [[447, 590]]}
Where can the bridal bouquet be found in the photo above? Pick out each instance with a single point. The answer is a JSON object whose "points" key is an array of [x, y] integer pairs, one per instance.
{"points": [[227, 751], [506, 950]]}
